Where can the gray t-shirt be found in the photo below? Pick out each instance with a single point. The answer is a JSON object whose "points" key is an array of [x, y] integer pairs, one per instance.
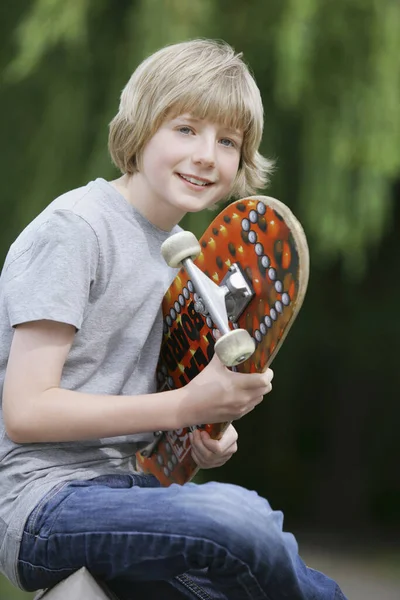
{"points": [[90, 260]]}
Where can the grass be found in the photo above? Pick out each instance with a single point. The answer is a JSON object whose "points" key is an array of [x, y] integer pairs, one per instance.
{"points": [[9, 592]]}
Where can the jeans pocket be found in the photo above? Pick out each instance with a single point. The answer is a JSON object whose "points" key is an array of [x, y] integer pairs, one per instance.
{"points": [[44, 508]]}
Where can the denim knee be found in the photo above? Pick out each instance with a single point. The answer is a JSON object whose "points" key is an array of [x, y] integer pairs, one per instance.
{"points": [[244, 522]]}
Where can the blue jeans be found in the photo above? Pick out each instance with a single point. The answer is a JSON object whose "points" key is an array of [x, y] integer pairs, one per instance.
{"points": [[213, 541]]}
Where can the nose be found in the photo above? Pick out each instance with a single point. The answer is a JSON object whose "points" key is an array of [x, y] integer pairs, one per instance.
{"points": [[204, 152]]}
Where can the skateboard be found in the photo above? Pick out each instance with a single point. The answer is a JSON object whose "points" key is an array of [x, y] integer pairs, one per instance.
{"points": [[237, 293]]}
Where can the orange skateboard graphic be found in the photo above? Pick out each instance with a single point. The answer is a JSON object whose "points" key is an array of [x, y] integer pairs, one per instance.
{"points": [[238, 293]]}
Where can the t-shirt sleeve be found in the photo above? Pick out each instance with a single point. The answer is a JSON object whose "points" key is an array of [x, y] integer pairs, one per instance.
{"points": [[51, 277]]}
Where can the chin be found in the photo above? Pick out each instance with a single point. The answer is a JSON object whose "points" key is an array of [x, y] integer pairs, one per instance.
{"points": [[192, 205]]}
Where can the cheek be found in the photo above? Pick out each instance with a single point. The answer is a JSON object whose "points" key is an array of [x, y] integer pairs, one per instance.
{"points": [[232, 168], [154, 155], [153, 166], [162, 161]]}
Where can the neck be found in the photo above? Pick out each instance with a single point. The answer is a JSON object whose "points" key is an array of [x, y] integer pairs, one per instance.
{"points": [[153, 209]]}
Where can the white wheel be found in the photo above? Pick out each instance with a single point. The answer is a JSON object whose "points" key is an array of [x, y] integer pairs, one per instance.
{"points": [[180, 246], [235, 347]]}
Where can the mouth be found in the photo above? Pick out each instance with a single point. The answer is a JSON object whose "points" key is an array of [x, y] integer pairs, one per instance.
{"points": [[196, 181]]}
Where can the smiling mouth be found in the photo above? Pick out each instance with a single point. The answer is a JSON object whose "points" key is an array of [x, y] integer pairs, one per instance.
{"points": [[195, 180]]}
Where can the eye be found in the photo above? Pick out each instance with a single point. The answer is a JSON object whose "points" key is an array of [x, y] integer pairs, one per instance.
{"points": [[227, 142], [185, 130]]}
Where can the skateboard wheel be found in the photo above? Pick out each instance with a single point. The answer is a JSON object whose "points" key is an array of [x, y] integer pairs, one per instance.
{"points": [[180, 246], [235, 347]]}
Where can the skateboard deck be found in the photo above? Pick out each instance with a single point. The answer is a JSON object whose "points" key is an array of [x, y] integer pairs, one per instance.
{"points": [[262, 236]]}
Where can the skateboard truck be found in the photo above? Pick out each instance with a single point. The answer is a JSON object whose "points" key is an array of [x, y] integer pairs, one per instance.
{"points": [[151, 446], [230, 298], [224, 303]]}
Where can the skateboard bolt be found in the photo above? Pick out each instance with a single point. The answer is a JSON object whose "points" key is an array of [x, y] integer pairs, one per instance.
{"points": [[199, 307]]}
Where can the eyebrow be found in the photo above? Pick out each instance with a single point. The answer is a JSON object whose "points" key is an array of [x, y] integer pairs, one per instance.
{"points": [[235, 132]]}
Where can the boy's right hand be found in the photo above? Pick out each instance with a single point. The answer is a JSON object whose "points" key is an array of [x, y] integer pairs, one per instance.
{"points": [[217, 395]]}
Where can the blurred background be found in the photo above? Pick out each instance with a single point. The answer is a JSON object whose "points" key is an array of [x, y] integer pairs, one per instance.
{"points": [[324, 447]]}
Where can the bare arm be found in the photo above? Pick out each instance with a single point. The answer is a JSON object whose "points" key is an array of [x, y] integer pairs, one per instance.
{"points": [[36, 409]]}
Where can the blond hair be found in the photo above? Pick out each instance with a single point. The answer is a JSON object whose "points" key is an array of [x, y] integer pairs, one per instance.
{"points": [[204, 78]]}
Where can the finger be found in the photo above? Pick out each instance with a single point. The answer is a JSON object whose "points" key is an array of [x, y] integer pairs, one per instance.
{"points": [[199, 458], [268, 388], [215, 361], [230, 434], [249, 381], [226, 446], [217, 447], [205, 462], [258, 395], [231, 450], [198, 446], [249, 407], [255, 401], [218, 451], [211, 462], [220, 446], [208, 443], [270, 374]]}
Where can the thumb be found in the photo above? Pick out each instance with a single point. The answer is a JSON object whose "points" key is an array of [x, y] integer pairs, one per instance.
{"points": [[217, 364]]}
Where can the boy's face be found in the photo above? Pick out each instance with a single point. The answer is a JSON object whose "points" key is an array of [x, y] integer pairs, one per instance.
{"points": [[189, 164]]}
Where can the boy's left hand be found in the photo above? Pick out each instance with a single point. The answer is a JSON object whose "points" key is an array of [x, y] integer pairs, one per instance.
{"points": [[209, 453]]}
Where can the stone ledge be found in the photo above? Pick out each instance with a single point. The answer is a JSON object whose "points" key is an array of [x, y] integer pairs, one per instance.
{"points": [[78, 586]]}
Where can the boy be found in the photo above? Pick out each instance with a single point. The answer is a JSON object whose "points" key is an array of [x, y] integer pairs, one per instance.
{"points": [[81, 326]]}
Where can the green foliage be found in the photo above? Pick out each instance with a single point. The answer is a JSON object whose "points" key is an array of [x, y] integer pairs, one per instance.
{"points": [[333, 71], [330, 69], [9, 592], [47, 24]]}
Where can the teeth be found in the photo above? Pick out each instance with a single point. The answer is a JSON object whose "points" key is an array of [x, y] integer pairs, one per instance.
{"points": [[194, 180]]}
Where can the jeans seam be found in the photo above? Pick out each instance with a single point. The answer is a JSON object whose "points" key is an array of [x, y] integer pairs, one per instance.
{"points": [[189, 584], [30, 526]]}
